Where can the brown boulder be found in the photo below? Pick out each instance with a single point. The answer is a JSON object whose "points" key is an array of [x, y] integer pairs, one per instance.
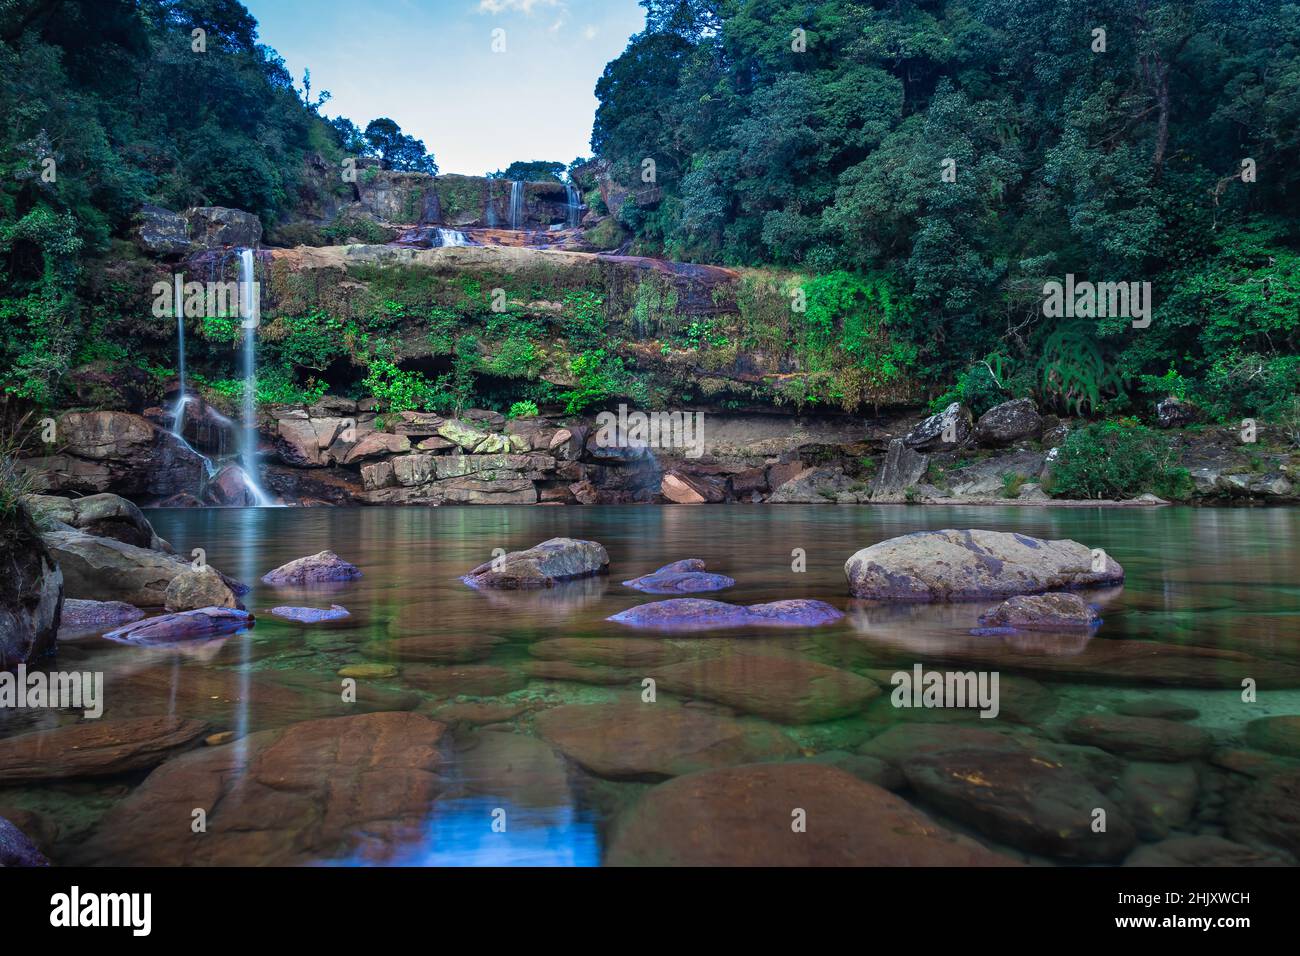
{"points": [[95, 748]]}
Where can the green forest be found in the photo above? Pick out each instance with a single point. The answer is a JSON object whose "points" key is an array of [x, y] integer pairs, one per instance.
{"points": [[928, 165]]}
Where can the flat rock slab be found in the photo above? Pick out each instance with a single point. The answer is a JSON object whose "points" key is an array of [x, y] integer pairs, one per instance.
{"points": [[681, 577], [1278, 735], [973, 565], [81, 616], [311, 615], [541, 566], [356, 787], [324, 567], [641, 741], [618, 651], [784, 689], [1022, 799], [1055, 611], [1140, 738], [741, 816], [198, 625], [472, 680], [95, 748], [697, 614]]}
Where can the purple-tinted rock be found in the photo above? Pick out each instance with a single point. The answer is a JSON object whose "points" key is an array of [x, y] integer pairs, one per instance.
{"points": [[80, 615], [16, 849], [326, 567], [194, 625], [311, 615], [680, 577], [697, 614]]}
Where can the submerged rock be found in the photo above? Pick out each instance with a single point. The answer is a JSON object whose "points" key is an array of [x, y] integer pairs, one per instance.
{"points": [[1205, 851], [741, 816], [1022, 799], [1269, 813], [324, 567], [697, 614], [311, 615], [1057, 611], [617, 651], [1278, 735], [198, 624], [1140, 738], [95, 748], [541, 566], [633, 740], [357, 787], [973, 565], [681, 577], [16, 849], [1159, 797], [785, 689]]}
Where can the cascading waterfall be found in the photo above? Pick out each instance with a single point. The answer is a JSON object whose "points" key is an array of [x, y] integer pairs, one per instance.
{"points": [[575, 204], [516, 204], [452, 237], [248, 310], [182, 399]]}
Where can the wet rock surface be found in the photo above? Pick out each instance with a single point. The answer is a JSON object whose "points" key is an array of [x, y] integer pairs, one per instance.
{"points": [[742, 817], [325, 567], [16, 849], [1140, 738], [681, 577], [951, 565], [1042, 612], [311, 615], [201, 624], [542, 566], [697, 614], [95, 748]]}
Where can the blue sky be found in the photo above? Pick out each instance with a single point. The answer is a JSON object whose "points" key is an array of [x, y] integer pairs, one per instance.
{"points": [[429, 65]]}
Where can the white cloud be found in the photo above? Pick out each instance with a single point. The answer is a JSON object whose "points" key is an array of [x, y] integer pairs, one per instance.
{"points": [[516, 6], [589, 32]]}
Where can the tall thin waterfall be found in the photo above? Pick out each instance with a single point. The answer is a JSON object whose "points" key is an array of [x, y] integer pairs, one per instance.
{"points": [[249, 308], [575, 204], [178, 305], [516, 204]]}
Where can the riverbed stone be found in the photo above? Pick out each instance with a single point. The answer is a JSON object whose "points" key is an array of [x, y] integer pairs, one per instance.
{"points": [[357, 787], [324, 567], [95, 748], [694, 614], [1022, 799], [411, 640], [368, 671], [1155, 707], [104, 569], [16, 849], [541, 566], [1205, 850], [618, 651], [1278, 735], [198, 588], [784, 689], [635, 740], [1159, 797], [1140, 738], [741, 816], [971, 565], [470, 680], [600, 675], [1268, 813], [1054, 611], [684, 489], [81, 616]]}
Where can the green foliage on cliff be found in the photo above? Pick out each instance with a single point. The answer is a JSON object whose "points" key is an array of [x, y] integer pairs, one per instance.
{"points": [[973, 150], [1115, 460]]}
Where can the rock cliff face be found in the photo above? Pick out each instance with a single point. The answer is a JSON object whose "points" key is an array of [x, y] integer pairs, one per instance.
{"points": [[31, 592]]}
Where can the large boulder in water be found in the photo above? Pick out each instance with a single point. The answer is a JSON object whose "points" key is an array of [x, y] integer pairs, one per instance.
{"points": [[31, 591], [681, 577], [324, 567], [106, 515], [541, 566], [119, 452], [198, 588], [102, 569], [195, 625], [974, 565]]}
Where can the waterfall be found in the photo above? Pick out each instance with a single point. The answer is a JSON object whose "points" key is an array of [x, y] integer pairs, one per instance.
{"points": [[182, 399], [516, 204], [452, 237], [249, 306], [575, 204]]}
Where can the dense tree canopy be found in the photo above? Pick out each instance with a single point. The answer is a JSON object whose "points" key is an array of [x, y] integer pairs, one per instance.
{"points": [[972, 150]]}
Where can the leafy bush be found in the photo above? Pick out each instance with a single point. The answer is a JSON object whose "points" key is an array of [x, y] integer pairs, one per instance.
{"points": [[524, 409], [1117, 460], [979, 387], [599, 377], [397, 390]]}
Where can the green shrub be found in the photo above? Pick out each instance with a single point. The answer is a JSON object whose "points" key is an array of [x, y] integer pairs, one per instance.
{"points": [[1116, 460], [524, 409]]}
